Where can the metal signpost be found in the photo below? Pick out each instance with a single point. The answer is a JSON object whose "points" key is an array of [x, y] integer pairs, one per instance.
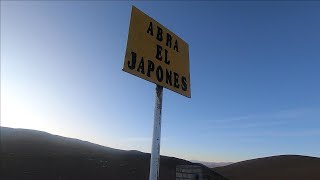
{"points": [[156, 54], [155, 151]]}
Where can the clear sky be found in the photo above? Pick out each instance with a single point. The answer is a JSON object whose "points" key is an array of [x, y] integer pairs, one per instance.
{"points": [[254, 66]]}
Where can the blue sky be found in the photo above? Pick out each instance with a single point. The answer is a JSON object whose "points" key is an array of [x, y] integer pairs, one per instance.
{"points": [[254, 67]]}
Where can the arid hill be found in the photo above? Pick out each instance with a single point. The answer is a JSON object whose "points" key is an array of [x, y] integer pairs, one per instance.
{"points": [[35, 155], [284, 167]]}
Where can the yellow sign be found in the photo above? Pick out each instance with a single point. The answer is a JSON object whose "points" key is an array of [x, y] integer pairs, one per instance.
{"points": [[156, 54]]}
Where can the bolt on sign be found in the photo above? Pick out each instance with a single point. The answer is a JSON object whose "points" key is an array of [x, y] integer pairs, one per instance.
{"points": [[156, 54]]}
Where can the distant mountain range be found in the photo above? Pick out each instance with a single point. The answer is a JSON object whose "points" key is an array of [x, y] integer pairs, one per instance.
{"points": [[212, 164], [35, 155]]}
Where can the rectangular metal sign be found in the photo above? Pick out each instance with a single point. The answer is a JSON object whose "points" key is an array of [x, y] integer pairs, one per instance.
{"points": [[156, 54]]}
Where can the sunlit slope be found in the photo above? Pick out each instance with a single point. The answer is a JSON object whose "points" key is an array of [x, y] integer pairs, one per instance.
{"points": [[284, 167]]}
